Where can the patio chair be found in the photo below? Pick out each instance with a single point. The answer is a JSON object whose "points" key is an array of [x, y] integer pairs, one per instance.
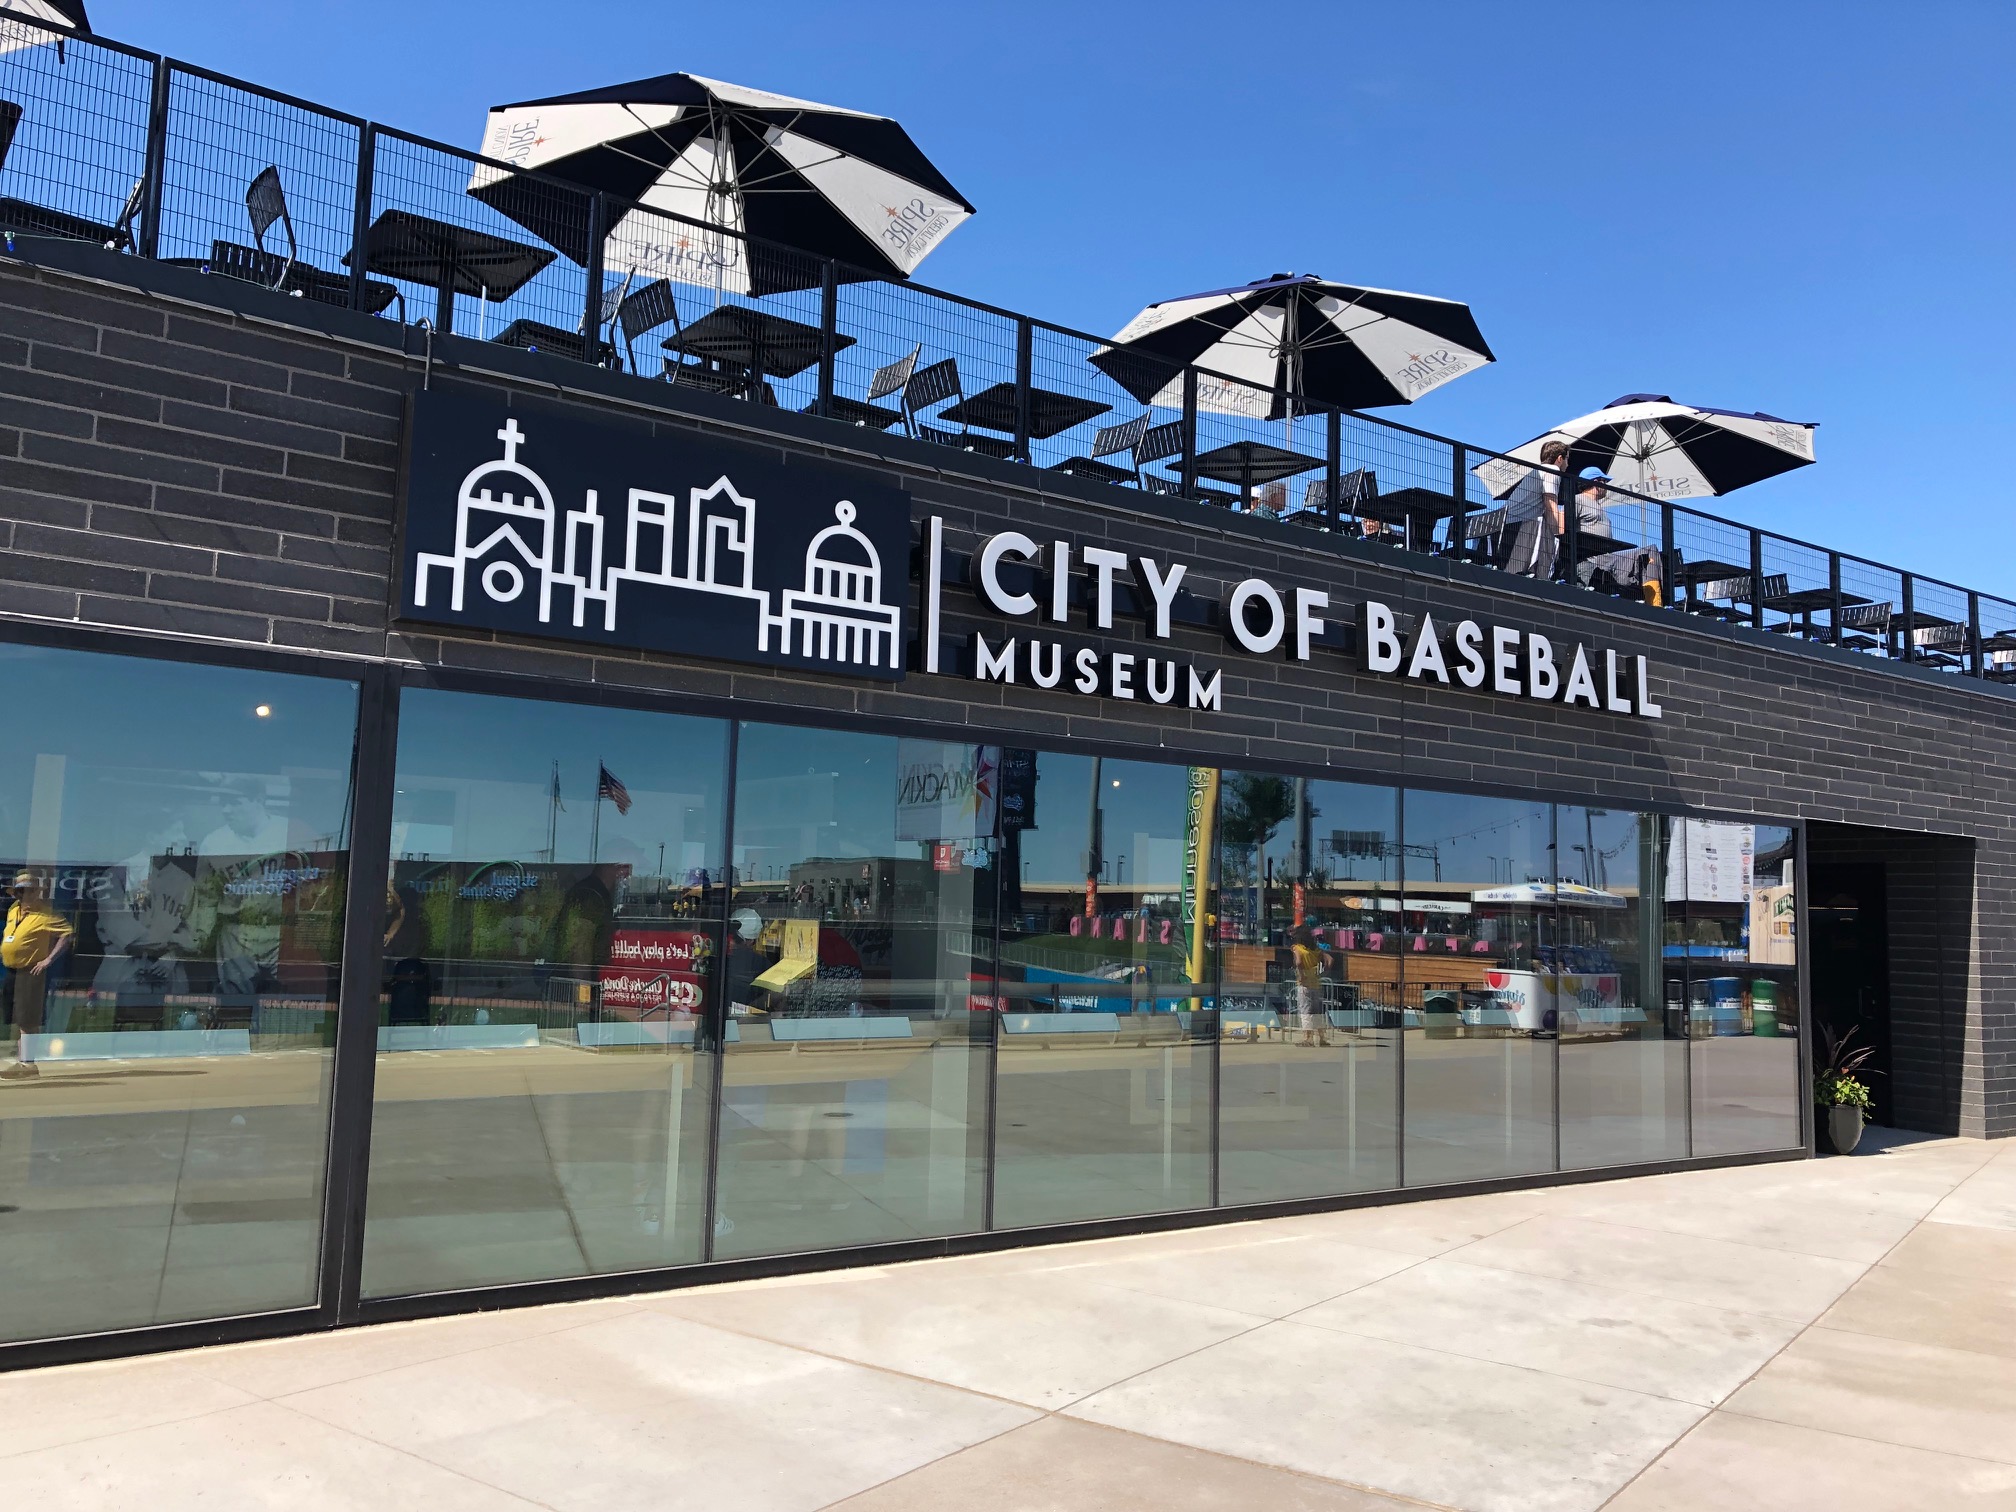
{"points": [[1162, 441], [1724, 594], [1357, 487], [712, 379], [1865, 627], [933, 386], [1487, 530], [266, 203], [1110, 441], [888, 379], [1172, 488], [642, 311], [537, 336], [1939, 645]]}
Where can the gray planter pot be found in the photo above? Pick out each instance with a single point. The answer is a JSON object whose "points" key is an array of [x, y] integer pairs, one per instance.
{"points": [[1841, 1129]]}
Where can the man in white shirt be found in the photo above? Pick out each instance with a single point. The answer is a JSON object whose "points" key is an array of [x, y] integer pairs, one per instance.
{"points": [[1533, 516]]}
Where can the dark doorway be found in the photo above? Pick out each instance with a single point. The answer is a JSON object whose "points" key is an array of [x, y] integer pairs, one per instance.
{"points": [[1849, 918]]}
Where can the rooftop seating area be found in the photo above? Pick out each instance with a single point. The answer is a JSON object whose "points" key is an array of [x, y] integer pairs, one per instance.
{"points": [[113, 146]]}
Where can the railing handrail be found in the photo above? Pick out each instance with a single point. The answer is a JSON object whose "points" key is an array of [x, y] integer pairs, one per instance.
{"points": [[1464, 456]]}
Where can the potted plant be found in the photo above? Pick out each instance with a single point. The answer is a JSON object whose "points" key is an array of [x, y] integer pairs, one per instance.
{"points": [[1839, 1092]]}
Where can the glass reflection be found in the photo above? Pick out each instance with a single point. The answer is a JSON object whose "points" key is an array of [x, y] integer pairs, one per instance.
{"points": [[175, 844], [1733, 887], [1108, 960], [1310, 999], [1623, 1057], [1478, 931], [541, 1107], [859, 978]]}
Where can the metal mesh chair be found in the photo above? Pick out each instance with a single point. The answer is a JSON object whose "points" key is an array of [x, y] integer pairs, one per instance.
{"points": [[265, 203], [1110, 441], [643, 311], [933, 386]]}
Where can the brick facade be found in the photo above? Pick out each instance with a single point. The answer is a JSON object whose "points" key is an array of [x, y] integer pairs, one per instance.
{"points": [[184, 456]]}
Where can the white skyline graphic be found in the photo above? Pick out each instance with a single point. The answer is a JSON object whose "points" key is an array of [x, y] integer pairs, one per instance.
{"points": [[838, 616]]}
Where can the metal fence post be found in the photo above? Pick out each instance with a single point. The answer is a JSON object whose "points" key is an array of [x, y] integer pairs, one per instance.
{"points": [[591, 319], [1189, 431], [1908, 648], [1571, 521], [1977, 662], [1459, 490], [157, 161], [1834, 588], [360, 214], [1757, 579], [1025, 363], [1670, 571], [1333, 466], [829, 326]]}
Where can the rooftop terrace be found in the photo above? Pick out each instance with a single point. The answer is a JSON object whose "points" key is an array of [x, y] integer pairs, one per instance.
{"points": [[152, 158]]}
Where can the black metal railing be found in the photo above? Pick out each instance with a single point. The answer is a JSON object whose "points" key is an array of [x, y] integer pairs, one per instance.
{"points": [[161, 159]]}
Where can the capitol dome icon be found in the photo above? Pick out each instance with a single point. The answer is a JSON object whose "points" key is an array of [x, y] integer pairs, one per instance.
{"points": [[839, 614]]}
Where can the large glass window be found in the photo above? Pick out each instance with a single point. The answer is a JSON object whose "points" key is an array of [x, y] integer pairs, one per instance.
{"points": [[859, 975], [1108, 976], [174, 845], [1479, 932], [541, 1103], [1309, 1013], [1623, 1056], [1730, 923]]}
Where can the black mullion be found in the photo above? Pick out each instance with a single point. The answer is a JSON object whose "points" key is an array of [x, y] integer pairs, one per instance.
{"points": [[356, 1051], [716, 1018]]}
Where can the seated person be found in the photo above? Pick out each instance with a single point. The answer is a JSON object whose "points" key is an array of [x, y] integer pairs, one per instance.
{"points": [[1632, 568], [1591, 517], [1270, 502]]}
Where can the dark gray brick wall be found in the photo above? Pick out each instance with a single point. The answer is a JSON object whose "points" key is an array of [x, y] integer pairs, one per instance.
{"points": [[168, 465]]}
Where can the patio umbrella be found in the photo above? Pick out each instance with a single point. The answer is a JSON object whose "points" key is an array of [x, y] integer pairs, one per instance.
{"points": [[1652, 446], [833, 182], [68, 14], [1292, 338]]}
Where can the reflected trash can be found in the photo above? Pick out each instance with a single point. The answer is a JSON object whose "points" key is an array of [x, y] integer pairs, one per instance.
{"points": [[1764, 1008]]}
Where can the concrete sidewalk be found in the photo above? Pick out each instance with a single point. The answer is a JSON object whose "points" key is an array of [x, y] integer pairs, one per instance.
{"points": [[1836, 1333]]}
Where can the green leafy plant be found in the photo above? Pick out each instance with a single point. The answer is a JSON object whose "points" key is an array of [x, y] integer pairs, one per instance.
{"points": [[1837, 1080]]}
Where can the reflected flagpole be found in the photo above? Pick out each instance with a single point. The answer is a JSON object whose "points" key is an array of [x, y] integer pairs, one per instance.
{"points": [[595, 828], [553, 808]]}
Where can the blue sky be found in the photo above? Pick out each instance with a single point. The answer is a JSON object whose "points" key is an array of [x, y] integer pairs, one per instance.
{"points": [[1800, 208]]}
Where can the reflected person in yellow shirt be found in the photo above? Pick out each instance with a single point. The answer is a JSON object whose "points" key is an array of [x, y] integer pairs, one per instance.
{"points": [[35, 938]]}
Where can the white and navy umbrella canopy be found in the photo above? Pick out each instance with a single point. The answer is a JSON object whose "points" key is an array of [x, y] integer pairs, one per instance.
{"points": [[1652, 446], [834, 182], [67, 14], [1295, 338]]}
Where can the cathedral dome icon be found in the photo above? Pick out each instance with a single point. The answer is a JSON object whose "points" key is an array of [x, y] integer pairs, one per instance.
{"points": [[515, 485], [502, 503]]}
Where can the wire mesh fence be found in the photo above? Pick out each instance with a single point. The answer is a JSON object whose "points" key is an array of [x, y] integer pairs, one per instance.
{"points": [[258, 188], [107, 144], [498, 260], [947, 367], [1873, 606], [73, 136], [1088, 415]]}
